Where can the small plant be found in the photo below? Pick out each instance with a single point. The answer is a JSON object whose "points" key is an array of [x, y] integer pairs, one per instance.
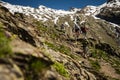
{"points": [[41, 27], [64, 49], [96, 53], [95, 65], [54, 35], [116, 64], [51, 45], [60, 69], [38, 65], [5, 49], [117, 71]]}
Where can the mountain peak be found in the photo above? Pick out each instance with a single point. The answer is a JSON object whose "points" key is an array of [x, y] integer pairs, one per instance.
{"points": [[42, 13], [113, 3], [42, 6]]}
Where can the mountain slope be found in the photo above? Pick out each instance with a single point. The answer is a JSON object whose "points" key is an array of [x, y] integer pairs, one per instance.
{"points": [[111, 12], [43, 50]]}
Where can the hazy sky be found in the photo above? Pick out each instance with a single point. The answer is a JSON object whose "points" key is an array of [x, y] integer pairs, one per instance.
{"points": [[57, 4]]}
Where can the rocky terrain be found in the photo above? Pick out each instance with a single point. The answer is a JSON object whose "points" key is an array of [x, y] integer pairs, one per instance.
{"points": [[35, 47], [111, 12]]}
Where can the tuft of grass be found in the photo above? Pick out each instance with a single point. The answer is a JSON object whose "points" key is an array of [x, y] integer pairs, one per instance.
{"points": [[51, 45], [61, 69], [96, 53], [54, 35], [115, 62], [38, 66], [64, 49], [41, 27], [60, 48], [117, 70], [95, 65], [99, 54], [5, 48]]}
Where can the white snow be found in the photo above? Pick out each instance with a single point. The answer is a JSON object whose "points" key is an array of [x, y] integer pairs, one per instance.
{"points": [[71, 17], [67, 24], [75, 10], [55, 21], [41, 13], [94, 10], [82, 22], [90, 10], [114, 25], [115, 3]]}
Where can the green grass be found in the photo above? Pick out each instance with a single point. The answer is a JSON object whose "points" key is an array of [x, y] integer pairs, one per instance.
{"points": [[117, 70], [60, 69], [95, 65], [97, 53], [60, 48], [51, 45], [38, 65], [41, 27], [64, 49], [50, 32], [5, 48], [115, 62]]}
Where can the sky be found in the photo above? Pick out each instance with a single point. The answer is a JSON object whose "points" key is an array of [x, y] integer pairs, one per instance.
{"points": [[57, 4]]}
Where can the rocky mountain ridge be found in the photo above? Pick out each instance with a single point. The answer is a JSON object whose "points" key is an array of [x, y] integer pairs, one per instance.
{"points": [[111, 12], [44, 14]]}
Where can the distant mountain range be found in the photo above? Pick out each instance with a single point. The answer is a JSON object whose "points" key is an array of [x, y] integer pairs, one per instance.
{"points": [[44, 13]]}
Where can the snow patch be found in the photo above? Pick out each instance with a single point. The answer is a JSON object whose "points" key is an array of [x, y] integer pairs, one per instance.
{"points": [[67, 24], [55, 21], [41, 13], [114, 25], [90, 10]]}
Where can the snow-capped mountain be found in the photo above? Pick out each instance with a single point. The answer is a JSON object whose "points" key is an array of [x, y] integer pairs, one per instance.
{"points": [[41, 13], [113, 3], [44, 13], [110, 11], [94, 10]]}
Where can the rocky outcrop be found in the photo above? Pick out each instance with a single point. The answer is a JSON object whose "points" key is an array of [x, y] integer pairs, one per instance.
{"points": [[110, 14], [107, 48], [10, 71]]}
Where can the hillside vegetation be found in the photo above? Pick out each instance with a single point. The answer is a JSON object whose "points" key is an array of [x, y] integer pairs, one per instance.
{"points": [[36, 50]]}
